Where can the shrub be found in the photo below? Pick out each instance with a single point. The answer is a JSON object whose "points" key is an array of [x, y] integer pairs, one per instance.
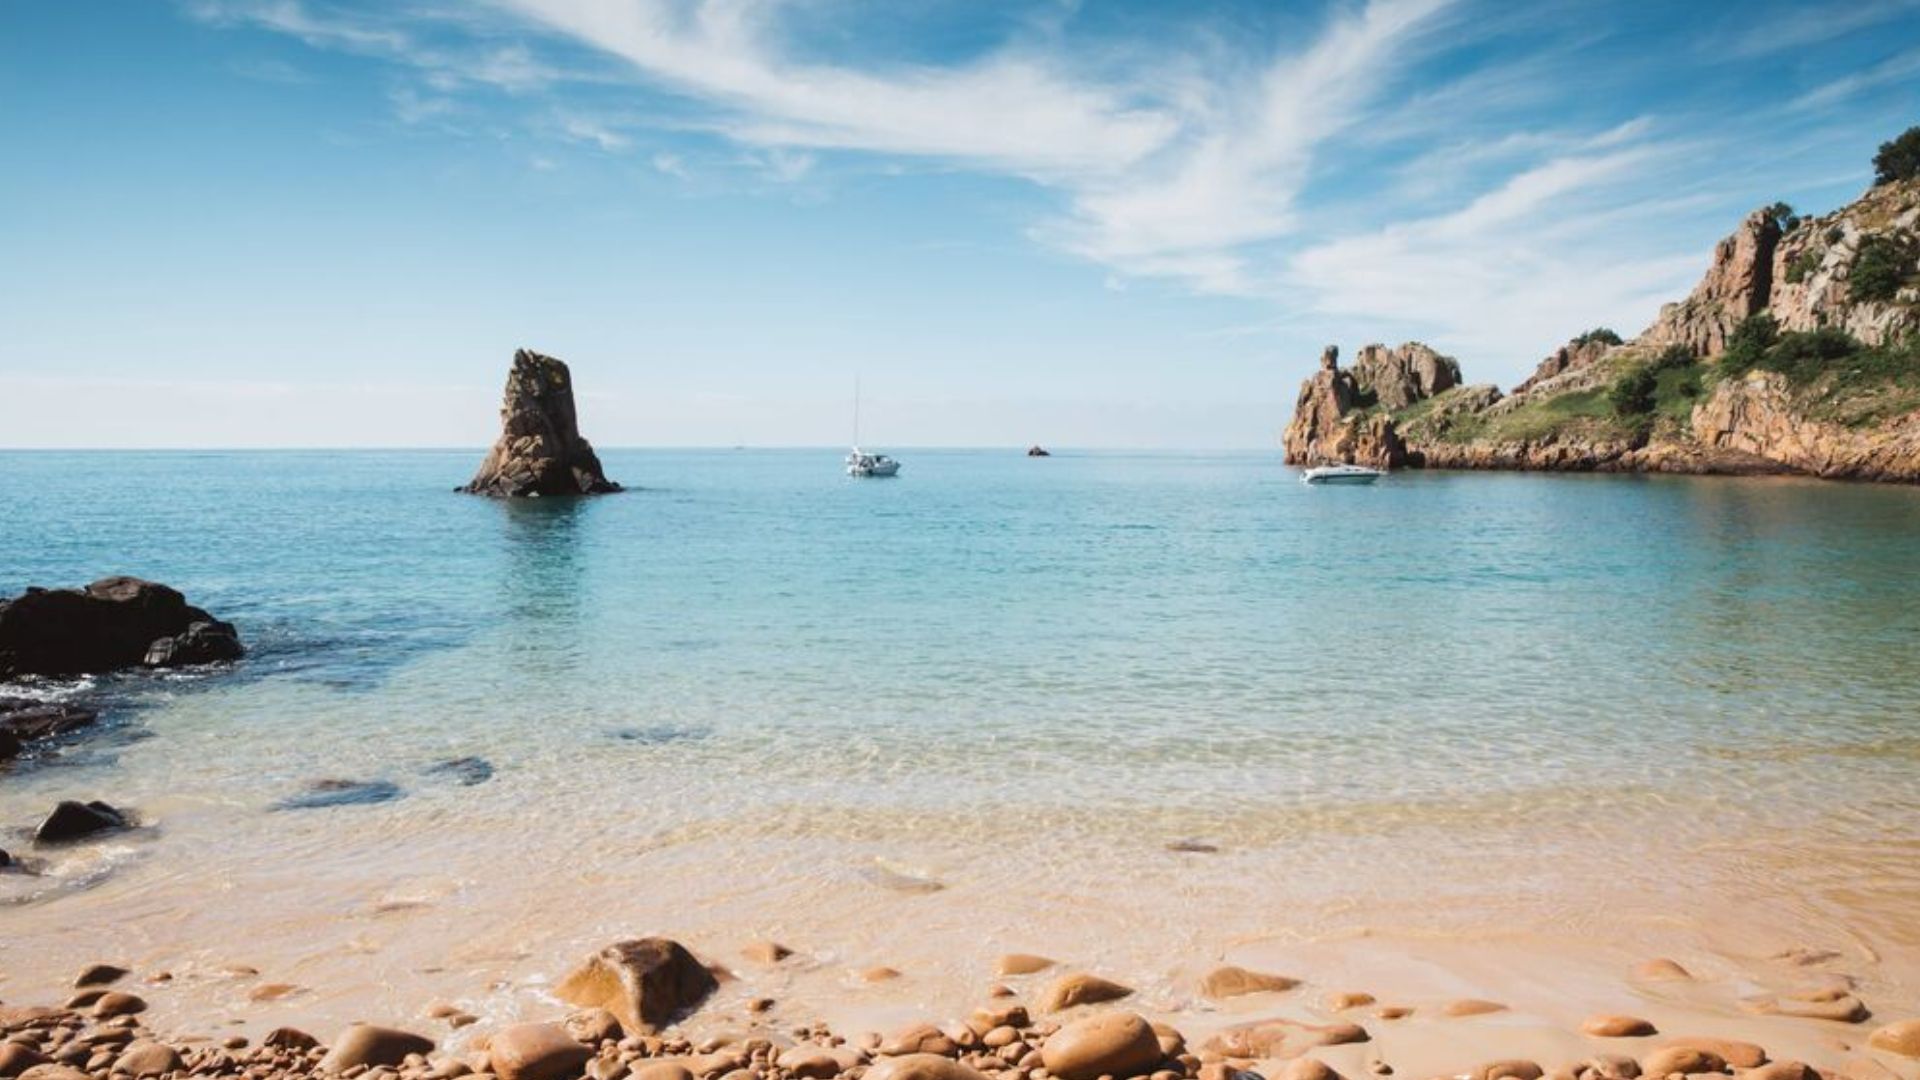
{"points": [[1802, 265], [1748, 344], [1898, 159], [1632, 394], [1603, 335], [1673, 356], [1880, 267], [1783, 216], [1803, 357]]}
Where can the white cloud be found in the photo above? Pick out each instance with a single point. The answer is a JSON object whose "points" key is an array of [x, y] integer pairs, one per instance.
{"points": [[671, 165], [1506, 276], [1802, 25], [1896, 68]]}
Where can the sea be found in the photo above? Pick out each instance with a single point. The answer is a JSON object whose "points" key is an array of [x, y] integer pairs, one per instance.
{"points": [[1134, 708]]}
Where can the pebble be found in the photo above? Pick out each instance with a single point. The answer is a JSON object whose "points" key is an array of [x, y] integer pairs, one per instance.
{"points": [[663, 1070], [1902, 1038], [147, 1058], [1021, 964], [766, 952], [370, 1045], [114, 1003], [1740, 1055], [1341, 1002], [536, 1051], [922, 1067], [1661, 969], [1307, 1068], [99, 975], [1780, 1070], [274, 992], [1080, 989], [1516, 1069], [879, 974], [1616, 1027], [16, 1058], [1233, 981], [1680, 1059], [1118, 1044], [919, 1039], [1472, 1007]]}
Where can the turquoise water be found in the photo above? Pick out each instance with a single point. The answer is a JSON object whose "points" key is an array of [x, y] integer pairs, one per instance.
{"points": [[1475, 686]]}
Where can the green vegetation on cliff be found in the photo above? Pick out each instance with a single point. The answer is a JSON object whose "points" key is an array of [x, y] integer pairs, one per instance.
{"points": [[1899, 158], [1838, 377]]}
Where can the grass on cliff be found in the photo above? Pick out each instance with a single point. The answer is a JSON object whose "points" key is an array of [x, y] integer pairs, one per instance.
{"points": [[1836, 377], [1585, 413]]}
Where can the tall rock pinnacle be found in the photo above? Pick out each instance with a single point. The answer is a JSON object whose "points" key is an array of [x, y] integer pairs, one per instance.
{"points": [[540, 450]]}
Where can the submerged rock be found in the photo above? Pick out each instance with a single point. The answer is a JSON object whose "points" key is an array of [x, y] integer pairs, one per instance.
{"points": [[72, 820], [540, 450], [324, 793], [1080, 989], [24, 722], [116, 622], [466, 771], [645, 983]]}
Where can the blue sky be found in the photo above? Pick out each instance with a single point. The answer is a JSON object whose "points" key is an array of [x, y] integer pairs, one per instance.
{"points": [[318, 223]]}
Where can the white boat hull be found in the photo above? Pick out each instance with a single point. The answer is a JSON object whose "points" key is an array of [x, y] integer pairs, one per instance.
{"points": [[1341, 474], [885, 468]]}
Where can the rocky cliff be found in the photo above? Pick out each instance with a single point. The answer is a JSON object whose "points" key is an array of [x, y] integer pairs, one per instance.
{"points": [[540, 450], [1798, 351]]}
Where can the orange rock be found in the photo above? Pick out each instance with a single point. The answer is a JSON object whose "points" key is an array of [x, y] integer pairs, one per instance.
{"points": [[1232, 981], [1740, 1055], [1679, 1059], [1080, 989], [1109, 1044], [1616, 1027], [1661, 970], [1902, 1038], [1021, 964], [1472, 1007], [766, 952], [1340, 1002]]}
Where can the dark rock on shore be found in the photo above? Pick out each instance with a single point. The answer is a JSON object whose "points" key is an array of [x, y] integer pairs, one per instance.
{"points": [[466, 771], [336, 792], [71, 821], [540, 450], [1036, 450], [114, 623]]}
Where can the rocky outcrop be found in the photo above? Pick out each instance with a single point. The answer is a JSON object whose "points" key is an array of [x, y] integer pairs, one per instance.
{"points": [[1813, 266], [1575, 355], [1757, 416], [1396, 378], [1738, 284], [114, 623], [1325, 428], [24, 721], [540, 450]]}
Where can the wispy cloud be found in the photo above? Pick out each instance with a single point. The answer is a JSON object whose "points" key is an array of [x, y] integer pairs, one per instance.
{"points": [[1801, 25], [1899, 67]]}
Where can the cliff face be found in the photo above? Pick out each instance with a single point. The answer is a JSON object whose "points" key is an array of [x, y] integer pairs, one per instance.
{"points": [[1798, 351], [540, 450]]}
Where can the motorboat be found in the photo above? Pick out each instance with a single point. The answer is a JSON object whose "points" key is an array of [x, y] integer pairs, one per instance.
{"points": [[1341, 474]]}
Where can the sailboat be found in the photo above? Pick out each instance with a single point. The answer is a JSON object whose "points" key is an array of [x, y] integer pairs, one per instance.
{"points": [[859, 462]]}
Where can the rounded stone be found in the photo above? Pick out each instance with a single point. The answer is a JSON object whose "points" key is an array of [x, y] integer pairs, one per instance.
{"points": [[1021, 964], [1231, 981], [1616, 1027], [147, 1058], [536, 1052], [1081, 989], [1472, 1007], [1902, 1038], [115, 1003], [371, 1045], [1680, 1059], [921, 1067], [1110, 1044]]}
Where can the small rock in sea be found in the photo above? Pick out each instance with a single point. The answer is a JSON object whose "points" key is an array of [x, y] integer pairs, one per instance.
{"points": [[116, 622], [203, 642], [1231, 981], [540, 450], [24, 721], [72, 820], [1080, 989], [1021, 964], [1394, 1012], [1472, 1007], [760, 1005], [645, 983], [99, 975], [333, 792], [370, 1045], [1110, 1044], [766, 952], [465, 771], [1616, 1027], [1341, 1001], [1902, 1038], [536, 1052]]}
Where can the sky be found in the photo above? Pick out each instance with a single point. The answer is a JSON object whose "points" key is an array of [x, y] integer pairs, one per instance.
{"points": [[317, 223]]}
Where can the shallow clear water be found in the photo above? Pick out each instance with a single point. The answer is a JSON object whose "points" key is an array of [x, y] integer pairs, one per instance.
{"points": [[756, 696]]}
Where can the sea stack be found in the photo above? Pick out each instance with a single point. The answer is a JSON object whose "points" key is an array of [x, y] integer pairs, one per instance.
{"points": [[540, 450]]}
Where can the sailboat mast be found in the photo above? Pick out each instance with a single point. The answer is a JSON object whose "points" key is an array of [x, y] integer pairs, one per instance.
{"points": [[856, 412]]}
